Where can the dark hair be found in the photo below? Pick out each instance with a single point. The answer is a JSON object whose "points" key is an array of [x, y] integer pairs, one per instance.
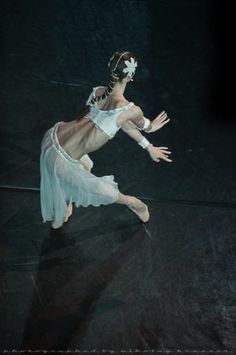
{"points": [[116, 65]]}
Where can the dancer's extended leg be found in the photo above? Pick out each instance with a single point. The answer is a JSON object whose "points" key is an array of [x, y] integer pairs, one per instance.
{"points": [[136, 205]]}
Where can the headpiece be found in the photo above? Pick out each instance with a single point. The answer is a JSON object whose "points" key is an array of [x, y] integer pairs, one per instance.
{"points": [[130, 66]]}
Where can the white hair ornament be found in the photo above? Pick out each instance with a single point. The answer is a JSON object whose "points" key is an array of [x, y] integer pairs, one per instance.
{"points": [[130, 66]]}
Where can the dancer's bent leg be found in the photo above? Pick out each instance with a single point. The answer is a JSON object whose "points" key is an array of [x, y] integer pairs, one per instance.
{"points": [[68, 214], [123, 199], [136, 205]]}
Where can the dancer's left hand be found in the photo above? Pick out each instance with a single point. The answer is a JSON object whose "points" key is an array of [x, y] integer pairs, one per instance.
{"points": [[157, 153], [158, 122]]}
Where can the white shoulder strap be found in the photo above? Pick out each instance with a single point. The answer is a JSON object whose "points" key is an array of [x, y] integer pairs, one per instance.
{"points": [[94, 91], [89, 98], [92, 95]]}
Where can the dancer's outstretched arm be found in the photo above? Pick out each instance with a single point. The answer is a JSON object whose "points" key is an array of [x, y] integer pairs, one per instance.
{"points": [[131, 129], [156, 153], [157, 123]]}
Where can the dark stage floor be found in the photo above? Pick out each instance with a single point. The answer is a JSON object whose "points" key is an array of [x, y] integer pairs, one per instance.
{"points": [[106, 280]]}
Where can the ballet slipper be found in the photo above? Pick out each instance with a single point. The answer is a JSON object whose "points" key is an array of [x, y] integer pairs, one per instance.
{"points": [[53, 225], [139, 208], [69, 212]]}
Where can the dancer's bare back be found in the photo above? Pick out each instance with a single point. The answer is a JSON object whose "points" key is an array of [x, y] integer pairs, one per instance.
{"points": [[82, 137]]}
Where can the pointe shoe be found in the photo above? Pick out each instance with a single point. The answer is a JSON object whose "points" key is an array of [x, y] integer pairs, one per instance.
{"points": [[53, 226], [139, 208], [69, 212]]}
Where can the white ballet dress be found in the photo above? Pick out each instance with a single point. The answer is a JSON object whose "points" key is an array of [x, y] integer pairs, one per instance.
{"points": [[64, 180]]}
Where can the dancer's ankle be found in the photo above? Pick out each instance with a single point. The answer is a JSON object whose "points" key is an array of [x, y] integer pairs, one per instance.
{"points": [[132, 200]]}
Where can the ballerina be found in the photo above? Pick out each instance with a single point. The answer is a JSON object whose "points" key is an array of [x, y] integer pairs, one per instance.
{"points": [[65, 166]]}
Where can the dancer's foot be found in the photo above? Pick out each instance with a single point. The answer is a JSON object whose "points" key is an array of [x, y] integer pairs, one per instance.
{"points": [[68, 212], [139, 208], [54, 226]]}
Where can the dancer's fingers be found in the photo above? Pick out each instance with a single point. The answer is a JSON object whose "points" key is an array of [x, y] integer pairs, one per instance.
{"points": [[167, 152], [164, 122], [166, 159], [163, 115], [161, 118]]}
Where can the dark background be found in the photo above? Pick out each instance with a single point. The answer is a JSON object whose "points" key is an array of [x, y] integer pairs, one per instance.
{"points": [[117, 284], [56, 51]]}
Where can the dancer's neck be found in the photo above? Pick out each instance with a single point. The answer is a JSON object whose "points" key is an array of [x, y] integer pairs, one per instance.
{"points": [[119, 88]]}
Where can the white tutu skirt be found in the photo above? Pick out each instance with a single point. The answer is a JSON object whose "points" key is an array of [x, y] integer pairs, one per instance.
{"points": [[65, 180]]}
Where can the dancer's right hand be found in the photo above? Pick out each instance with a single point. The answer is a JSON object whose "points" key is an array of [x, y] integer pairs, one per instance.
{"points": [[157, 153]]}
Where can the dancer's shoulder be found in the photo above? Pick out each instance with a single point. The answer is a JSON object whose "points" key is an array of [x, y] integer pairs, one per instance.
{"points": [[134, 112]]}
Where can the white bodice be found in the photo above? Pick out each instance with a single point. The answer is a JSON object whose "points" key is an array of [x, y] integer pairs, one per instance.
{"points": [[105, 120]]}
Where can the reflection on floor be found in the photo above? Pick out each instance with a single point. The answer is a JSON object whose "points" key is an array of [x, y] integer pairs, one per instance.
{"points": [[107, 281]]}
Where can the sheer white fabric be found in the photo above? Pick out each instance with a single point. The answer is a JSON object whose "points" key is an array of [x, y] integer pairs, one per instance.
{"points": [[65, 180]]}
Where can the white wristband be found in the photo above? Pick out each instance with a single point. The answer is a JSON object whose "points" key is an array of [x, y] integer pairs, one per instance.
{"points": [[146, 123], [144, 143]]}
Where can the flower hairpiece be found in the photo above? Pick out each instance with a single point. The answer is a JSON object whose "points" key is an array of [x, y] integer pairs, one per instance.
{"points": [[130, 67]]}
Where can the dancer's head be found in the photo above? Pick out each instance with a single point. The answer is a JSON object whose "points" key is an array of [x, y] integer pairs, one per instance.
{"points": [[122, 66]]}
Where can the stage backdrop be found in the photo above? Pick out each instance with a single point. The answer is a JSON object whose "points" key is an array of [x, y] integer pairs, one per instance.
{"points": [[56, 51]]}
